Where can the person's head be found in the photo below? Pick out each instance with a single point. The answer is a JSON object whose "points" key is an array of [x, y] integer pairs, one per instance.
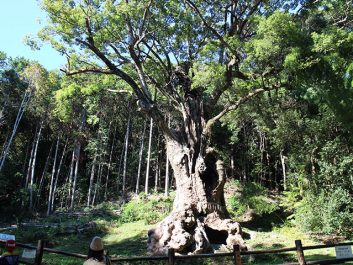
{"points": [[96, 249], [10, 245]]}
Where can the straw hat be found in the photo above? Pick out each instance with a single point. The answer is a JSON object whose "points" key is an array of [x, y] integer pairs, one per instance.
{"points": [[96, 244]]}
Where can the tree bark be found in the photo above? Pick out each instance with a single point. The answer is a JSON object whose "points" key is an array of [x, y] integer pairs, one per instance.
{"points": [[28, 175], [51, 187], [166, 186], [119, 167], [199, 218], [98, 183], [42, 179], [91, 180], [57, 176], [157, 171], [77, 151], [232, 165], [126, 145], [109, 165], [33, 165], [4, 146], [137, 190], [72, 165], [27, 157], [77, 160], [149, 156], [26, 98], [284, 171]]}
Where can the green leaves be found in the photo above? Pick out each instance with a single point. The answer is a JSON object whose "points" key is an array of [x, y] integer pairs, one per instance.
{"points": [[64, 101], [327, 212], [276, 36]]}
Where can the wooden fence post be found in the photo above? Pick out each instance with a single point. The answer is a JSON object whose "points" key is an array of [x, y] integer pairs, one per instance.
{"points": [[300, 253], [171, 256], [39, 252], [236, 253]]}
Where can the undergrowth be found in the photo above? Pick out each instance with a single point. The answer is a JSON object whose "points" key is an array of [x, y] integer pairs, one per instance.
{"points": [[124, 227], [151, 209], [250, 196]]}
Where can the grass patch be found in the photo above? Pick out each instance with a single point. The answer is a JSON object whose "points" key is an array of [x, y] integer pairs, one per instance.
{"points": [[151, 209], [128, 239], [285, 237]]}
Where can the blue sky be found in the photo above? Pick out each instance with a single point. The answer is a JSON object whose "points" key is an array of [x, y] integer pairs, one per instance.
{"points": [[19, 18]]}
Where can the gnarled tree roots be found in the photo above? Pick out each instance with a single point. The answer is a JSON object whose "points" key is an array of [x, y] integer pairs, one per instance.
{"points": [[190, 231]]}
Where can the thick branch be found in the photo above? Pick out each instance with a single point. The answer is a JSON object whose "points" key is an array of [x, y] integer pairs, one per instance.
{"points": [[252, 10], [118, 91], [144, 101], [168, 70], [142, 94], [144, 18], [229, 74], [213, 30], [120, 56], [233, 106], [90, 44], [116, 70], [87, 70]]}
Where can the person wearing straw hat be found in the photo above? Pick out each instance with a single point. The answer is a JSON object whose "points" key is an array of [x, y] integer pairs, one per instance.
{"points": [[9, 258], [96, 254]]}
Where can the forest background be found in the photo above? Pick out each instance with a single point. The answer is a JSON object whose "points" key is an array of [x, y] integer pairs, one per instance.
{"points": [[72, 142]]}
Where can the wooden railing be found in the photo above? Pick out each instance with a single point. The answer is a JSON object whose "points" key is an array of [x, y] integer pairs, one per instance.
{"points": [[171, 258]]}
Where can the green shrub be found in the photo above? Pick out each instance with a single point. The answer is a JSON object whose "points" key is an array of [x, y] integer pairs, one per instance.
{"points": [[131, 211], [32, 235], [236, 207], [151, 209], [327, 212], [252, 196]]}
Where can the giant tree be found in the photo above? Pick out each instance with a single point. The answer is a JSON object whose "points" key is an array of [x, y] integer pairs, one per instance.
{"points": [[196, 61]]}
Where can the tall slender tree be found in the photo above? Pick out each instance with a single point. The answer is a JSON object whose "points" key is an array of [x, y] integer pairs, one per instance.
{"points": [[142, 139], [148, 160]]}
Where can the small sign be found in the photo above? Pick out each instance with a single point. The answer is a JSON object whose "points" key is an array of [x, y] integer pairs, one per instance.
{"points": [[29, 253], [343, 252], [5, 237]]}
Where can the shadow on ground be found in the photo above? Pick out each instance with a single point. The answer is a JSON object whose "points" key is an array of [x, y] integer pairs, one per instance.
{"points": [[133, 246], [265, 222]]}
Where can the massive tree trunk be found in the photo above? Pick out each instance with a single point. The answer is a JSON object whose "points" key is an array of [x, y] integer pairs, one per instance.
{"points": [[199, 217]]}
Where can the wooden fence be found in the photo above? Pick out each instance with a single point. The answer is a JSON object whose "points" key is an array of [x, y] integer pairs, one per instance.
{"points": [[171, 258]]}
